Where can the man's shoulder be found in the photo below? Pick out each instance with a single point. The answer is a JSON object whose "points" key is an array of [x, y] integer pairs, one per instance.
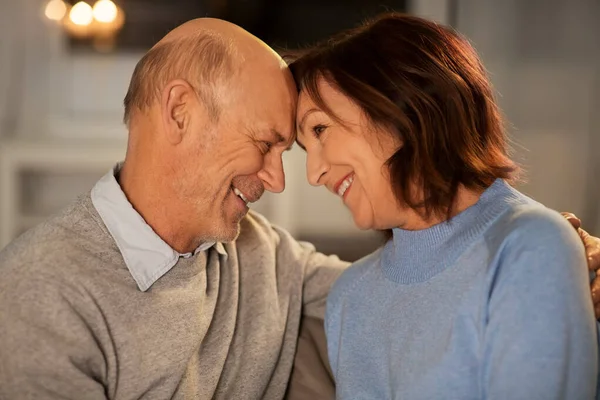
{"points": [[259, 237], [57, 247], [257, 231], [255, 223]]}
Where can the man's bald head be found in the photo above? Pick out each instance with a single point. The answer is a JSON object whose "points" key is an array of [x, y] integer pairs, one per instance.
{"points": [[211, 111], [205, 52]]}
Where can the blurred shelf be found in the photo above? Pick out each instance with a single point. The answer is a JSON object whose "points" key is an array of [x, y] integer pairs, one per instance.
{"points": [[59, 153], [46, 156], [45, 159]]}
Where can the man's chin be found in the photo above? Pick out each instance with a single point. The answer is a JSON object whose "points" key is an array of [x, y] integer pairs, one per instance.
{"points": [[228, 229], [233, 235], [228, 234]]}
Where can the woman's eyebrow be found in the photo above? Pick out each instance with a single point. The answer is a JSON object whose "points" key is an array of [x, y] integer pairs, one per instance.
{"points": [[306, 114]]}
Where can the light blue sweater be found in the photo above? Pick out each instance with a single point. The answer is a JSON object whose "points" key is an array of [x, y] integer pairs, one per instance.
{"points": [[494, 304]]}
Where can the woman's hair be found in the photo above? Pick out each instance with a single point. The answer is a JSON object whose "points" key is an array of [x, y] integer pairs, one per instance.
{"points": [[425, 84]]}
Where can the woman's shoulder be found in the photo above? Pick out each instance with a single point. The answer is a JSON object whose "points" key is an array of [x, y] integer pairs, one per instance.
{"points": [[532, 223], [532, 234]]}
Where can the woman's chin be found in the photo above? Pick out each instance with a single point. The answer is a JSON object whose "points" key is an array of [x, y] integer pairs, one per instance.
{"points": [[365, 223], [362, 223]]}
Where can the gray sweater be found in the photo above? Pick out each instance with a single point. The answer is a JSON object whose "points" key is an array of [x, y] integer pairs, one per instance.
{"points": [[74, 324]]}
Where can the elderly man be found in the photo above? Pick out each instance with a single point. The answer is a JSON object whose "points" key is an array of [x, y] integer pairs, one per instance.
{"points": [[159, 284]]}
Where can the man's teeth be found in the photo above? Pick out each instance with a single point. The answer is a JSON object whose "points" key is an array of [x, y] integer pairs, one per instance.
{"points": [[240, 194], [345, 185]]}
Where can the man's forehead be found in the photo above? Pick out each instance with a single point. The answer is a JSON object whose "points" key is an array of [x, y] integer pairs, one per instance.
{"points": [[280, 116], [287, 137]]}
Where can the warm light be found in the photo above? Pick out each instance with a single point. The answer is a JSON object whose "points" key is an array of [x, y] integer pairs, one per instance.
{"points": [[100, 23], [81, 14], [55, 10], [105, 11]]}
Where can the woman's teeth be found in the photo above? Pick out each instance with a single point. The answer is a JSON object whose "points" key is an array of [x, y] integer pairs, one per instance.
{"points": [[240, 195], [345, 185]]}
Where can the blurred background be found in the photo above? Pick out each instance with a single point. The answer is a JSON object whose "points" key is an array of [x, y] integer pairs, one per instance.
{"points": [[65, 67]]}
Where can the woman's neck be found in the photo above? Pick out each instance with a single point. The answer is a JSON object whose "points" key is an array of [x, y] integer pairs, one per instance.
{"points": [[411, 220]]}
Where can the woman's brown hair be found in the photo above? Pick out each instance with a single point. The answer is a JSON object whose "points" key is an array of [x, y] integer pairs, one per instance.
{"points": [[424, 83]]}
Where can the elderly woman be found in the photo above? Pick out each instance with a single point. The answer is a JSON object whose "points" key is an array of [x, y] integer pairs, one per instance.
{"points": [[481, 292]]}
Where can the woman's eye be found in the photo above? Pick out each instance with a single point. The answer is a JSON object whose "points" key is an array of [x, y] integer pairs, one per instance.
{"points": [[318, 130]]}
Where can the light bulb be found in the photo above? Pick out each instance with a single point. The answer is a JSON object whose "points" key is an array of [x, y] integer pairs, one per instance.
{"points": [[105, 11], [81, 14], [55, 10]]}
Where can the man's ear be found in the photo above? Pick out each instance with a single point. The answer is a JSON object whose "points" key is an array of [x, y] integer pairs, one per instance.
{"points": [[176, 106]]}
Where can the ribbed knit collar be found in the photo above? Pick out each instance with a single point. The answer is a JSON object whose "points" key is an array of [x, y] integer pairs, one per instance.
{"points": [[417, 256]]}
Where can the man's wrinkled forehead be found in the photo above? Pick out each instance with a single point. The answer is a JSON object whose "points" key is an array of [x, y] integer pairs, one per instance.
{"points": [[281, 109], [282, 126], [284, 138]]}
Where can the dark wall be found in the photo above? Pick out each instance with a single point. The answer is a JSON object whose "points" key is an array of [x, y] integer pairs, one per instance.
{"points": [[280, 23], [349, 248]]}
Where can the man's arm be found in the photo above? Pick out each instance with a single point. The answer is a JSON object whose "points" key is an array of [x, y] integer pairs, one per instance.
{"points": [[47, 348], [592, 252], [321, 272], [311, 375]]}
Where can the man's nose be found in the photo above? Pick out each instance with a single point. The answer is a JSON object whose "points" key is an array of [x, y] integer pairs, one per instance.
{"points": [[272, 173]]}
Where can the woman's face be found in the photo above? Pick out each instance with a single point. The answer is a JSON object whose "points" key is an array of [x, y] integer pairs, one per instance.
{"points": [[349, 159]]}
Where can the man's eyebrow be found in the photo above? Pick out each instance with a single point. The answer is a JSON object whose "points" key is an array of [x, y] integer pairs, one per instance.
{"points": [[280, 139]]}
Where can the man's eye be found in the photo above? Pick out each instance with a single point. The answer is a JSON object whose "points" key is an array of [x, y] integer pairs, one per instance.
{"points": [[267, 146]]}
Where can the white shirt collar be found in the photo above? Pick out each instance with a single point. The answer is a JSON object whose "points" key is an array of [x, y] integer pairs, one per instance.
{"points": [[146, 255]]}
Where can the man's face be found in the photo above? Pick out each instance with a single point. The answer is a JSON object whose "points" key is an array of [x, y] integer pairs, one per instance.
{"points": [[234, 160]]}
